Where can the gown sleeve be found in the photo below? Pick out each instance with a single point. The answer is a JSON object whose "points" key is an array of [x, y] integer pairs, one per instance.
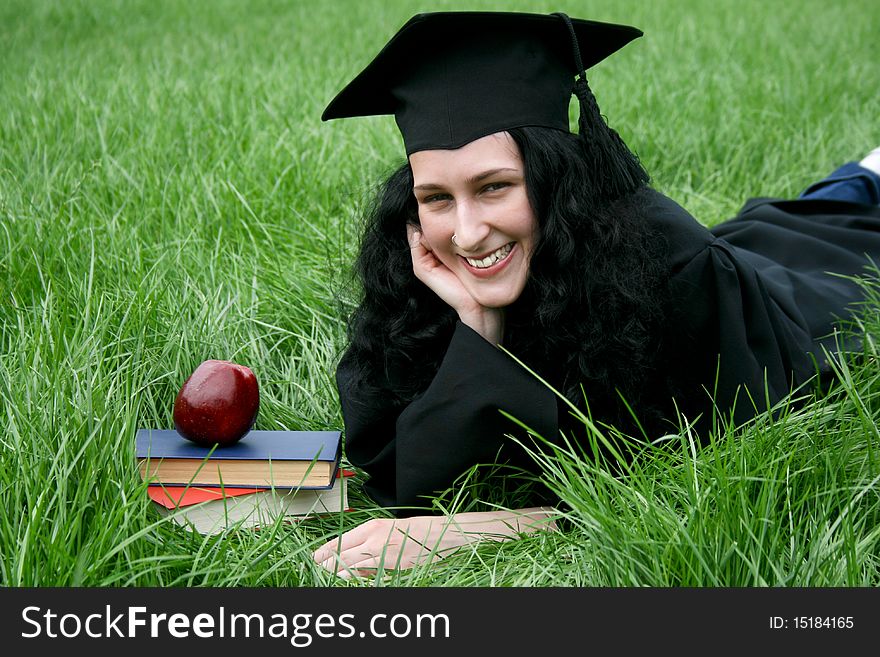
{"points": [[754, 300], [415, 450]]}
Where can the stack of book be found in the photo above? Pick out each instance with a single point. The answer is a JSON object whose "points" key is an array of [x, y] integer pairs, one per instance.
{"points": [[251, 483]]}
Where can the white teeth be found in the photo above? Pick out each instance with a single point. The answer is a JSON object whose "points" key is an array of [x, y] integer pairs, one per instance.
{"points": [[492, 258]]}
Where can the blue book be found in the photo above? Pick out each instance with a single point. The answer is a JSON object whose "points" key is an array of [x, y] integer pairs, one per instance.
{"points": [[262, 459]]}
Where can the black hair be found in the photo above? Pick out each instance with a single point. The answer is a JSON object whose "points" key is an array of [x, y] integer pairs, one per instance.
{"points": [[591, 312]]}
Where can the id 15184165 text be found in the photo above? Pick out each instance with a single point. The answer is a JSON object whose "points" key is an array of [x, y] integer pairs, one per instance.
{"points": [[812, 623]]}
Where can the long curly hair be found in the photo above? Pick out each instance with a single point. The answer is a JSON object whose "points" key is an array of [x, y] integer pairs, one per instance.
{"points": [[589, 319]]}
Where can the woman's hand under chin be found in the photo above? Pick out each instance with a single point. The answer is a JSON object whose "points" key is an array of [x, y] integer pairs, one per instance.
{"points": [[398, 544], [488, 322]]}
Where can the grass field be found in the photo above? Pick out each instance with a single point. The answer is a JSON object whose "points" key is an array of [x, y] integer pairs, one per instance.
{"points": [[168, 194]]}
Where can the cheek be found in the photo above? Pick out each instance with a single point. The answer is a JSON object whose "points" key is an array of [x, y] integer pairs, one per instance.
{"points": [[528, 234], [435, 232], [524, 225]]}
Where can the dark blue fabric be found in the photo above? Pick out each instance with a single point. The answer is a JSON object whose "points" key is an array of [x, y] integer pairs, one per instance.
{"points": [[851, 182]]}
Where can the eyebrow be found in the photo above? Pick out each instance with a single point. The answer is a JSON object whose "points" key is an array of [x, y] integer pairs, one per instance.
{"points": [[470, 181]]}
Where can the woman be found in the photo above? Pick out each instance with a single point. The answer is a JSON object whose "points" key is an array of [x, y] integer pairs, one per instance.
{"points": [[503, 229]]}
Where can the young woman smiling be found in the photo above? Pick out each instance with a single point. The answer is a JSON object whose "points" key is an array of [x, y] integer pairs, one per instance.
{"points": [[503, 229], [476, 229]]}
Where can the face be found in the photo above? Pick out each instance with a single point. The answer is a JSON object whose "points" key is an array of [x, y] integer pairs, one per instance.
{"points": [[478, 193]]}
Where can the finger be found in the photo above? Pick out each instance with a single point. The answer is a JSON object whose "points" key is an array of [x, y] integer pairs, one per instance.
{"points": [[332, 549], [322, 555], [370, 566], [337, 562], [388, 557], [330, 564], [421, 249], [361, 554], [328, 550], [350, 546], [418, 244], [351, 574], [413, 235], [424, 261], [333, 556], [348, 540], [323, 552], [361, 564], [365, 568]]}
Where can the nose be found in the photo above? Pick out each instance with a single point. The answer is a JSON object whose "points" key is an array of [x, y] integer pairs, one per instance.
{"points": [[471, 226]]}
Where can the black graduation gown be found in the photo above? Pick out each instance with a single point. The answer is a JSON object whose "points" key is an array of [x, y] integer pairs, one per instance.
{"points": [[751, 303]]}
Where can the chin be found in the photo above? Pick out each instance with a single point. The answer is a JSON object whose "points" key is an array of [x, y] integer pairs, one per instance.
{"points": [[497, 301]]}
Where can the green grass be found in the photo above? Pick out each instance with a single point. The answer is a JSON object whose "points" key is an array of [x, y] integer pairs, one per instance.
{"points": [[168, 194]]}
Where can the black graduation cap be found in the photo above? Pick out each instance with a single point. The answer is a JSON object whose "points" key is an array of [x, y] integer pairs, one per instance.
{"points": [[452, 77]]}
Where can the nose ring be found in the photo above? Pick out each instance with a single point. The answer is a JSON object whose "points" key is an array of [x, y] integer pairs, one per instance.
{"points": [[453, 240]]}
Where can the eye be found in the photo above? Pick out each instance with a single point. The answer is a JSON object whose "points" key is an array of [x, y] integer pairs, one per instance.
{"points": [[495, 186], [436, 198]]}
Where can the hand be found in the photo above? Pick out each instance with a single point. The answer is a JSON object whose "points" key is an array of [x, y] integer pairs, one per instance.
{"points": [[488, 322], [437, 276], [400, 544]]}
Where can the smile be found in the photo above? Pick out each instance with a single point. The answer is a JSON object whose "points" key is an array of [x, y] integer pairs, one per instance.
{"points": [[491, 259]]}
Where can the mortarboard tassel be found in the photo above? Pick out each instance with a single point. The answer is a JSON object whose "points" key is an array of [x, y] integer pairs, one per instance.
{"points": [[616, 171]]}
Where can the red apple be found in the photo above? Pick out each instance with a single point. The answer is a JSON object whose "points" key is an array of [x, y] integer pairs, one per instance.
{"points": [[217, 404]]}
